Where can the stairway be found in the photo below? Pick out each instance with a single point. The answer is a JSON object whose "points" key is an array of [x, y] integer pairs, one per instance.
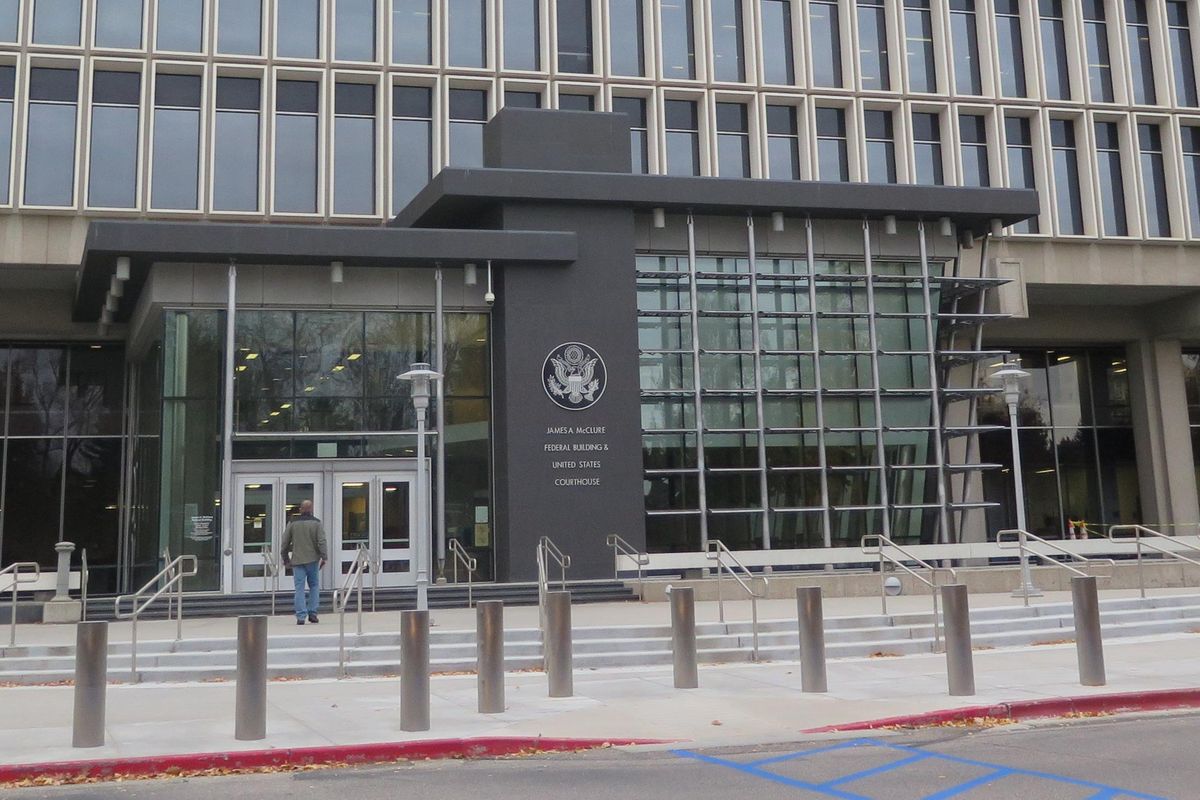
{"points": [[376, 654]]}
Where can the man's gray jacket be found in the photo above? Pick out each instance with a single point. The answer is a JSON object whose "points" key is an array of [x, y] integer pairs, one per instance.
{"points": [[304, 541]]}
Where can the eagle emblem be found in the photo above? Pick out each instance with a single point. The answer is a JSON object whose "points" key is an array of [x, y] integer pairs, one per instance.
{"points": [[574, 375]]}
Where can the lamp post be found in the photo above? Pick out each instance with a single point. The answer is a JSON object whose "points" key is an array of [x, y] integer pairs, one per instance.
{"points": [[421, 376], [1010, 375]]}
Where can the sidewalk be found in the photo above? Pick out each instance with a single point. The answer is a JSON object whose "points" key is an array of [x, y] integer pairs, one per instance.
{"points": [[735, 702]]}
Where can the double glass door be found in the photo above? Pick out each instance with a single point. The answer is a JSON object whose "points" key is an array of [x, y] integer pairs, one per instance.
{"points": [[266, 504], [377, 512]]}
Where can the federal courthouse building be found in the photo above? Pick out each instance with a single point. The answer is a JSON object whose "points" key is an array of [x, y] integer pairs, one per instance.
{"points": [[759, 301]]}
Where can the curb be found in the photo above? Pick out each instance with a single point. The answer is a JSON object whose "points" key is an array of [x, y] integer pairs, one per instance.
{"points": [[1124, 702], [379, 752]]}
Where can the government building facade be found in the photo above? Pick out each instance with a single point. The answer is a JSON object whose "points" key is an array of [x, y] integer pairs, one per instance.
{"points": [[759, 301]]}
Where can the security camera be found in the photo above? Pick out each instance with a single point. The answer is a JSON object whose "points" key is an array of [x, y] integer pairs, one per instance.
{"points": [[489, 298]]}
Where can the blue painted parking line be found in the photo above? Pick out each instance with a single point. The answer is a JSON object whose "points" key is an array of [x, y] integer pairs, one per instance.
{"points": [[963, 788], [757, 772], [866, 773], [802, 753]]}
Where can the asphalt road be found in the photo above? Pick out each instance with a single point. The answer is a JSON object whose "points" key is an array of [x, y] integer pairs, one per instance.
{"points": [[1104, 759]]}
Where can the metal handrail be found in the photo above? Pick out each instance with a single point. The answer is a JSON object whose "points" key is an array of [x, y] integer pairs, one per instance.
{"points": [[1021, 539], [546, 550], [1138, 532], [717, 551], [623, 548], [272, 568], [341, 599], [84, 576], [881, 542], [16, 569], [470, 564], [171, 577]]}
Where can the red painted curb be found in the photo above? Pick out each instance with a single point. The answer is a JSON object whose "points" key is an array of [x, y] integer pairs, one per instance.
{"points": [[481, 747], [1158, 700]]}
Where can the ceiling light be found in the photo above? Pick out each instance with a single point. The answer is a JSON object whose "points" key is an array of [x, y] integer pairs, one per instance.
{"points": [[285, 405], [889, 224], [122, 268], [777, 221], [470, 275], [660, 218], [273, 414], [309, 388], [251, 356], [335, 272], [241, 367], [354, 357]]}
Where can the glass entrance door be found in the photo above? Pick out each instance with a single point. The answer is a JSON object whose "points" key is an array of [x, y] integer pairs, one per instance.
{"points": [[265, 504], [375, 511]]}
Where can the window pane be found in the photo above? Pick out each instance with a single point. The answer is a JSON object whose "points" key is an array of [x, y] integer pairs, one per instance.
{"points": [[973, 134], [1141, 62], [626, 38], [1010, 49], [468, 45], [873, 44], [50, 151], [9, 11], [412, 127], [832, 156], [683, 139], [574, 36], [239, 27], [119, 23], [180, 23], [411, 31], [729, 62], [354, 166], [6, 123], [1099, 64], [678, 40], [96, 384], [466, 144], [1054, 50], [1020, 163], [235, 176], [964, 29], [777, 41], [31, 500], [56, 22], [112, 173], [918, 24], [826, 43], [1112, 188], [1181, 48], [1191, 172], [1066, 177], [927, 148], [37, 391], [354, 24], [1158, 216], [296, 163], [298, 28], [90, 506], [521, 50], [881, 151]]}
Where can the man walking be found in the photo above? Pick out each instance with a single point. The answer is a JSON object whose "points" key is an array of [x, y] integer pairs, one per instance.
{"points": [[305, 551]]}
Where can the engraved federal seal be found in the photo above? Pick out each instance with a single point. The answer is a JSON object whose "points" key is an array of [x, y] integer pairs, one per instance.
{"points": [[574, 376]]}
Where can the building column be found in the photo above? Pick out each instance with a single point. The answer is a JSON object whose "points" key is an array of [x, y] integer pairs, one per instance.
{"points": [[1162, 436]]}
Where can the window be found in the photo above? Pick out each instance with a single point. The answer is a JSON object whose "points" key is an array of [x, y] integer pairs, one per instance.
{"points": [[729, 56], [1141, 62], [783, 143], [1019, 136], [175, 162], [119, 23], [354, 30], [412, 142], [113, 150], [239, 27], [635, 109], [575, 36], [972, 131], [927, 148], [411, 32], [733, 141], [576, 102], [298, 28], [833, 163], [1066, 176], [918, 39], [9, 20], [1181, 51], [180, 25], [522, 100], [297, 106], [1112, 184], [50, 141], [626, 37], [521, 33], [778, 66], [353, 148], [873, 45], [468, 112], [826, 43], [468, 33], [965, 33], [56, 22], [236, 150], [1054, 50], [8, 83], [1099, 65], [1010, 48], [1191, 170], [678, 39], [683, 137], [881, 147], [1154, 181]]}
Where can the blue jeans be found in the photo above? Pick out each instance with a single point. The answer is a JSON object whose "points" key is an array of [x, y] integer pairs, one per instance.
{"points": [[310, 573]]}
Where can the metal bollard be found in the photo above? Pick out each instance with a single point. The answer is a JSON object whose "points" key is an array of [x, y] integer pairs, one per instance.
{"points": [[250, 711], [1089, 646], [683, 638], [956, 618], [558, 644], [812, 639], [414, 670], [91, 682], [489, 626]]}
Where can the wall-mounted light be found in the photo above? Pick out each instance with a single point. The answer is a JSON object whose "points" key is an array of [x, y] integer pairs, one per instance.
{"points": [[889, 224], [777, 221], [660, 218], [945, 228], [489, 296], [115, 287], [335, 272], [122, 268], [997, 227], [470, 278]]}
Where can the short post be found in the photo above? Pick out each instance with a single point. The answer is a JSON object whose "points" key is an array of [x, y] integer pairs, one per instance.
{"points": [[91, 682], [960, 666], [558, 644], [414, 670], [250, 712], [489, 627], [683, 637], [61, 608], [1089, 646], [812, 639]]}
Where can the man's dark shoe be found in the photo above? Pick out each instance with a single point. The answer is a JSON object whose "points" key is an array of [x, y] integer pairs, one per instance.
{"points": [[299, 622], [313, 619]]}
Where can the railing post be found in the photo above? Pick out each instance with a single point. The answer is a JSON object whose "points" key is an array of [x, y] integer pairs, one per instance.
{"points": [[1137, 537], [960, 667], [812, 639], [250, 714], [558, 644], [1089, 645], [489, 632], [91, 683], [414, 670], [683, 638]]}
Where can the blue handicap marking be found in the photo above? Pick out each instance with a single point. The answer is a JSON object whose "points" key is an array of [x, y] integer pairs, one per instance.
{"points": [[905, 755]]}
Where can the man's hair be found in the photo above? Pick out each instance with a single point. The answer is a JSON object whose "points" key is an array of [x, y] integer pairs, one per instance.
{"points": [[306, 506]]}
